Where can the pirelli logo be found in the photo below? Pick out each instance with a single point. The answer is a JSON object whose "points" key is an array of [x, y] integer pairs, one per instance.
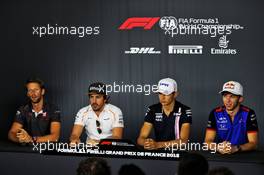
{"points": [[185, 49]]}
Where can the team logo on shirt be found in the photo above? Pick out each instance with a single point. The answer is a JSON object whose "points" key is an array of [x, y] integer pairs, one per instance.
{"points": [[120, 120], [57, 112], [188, 112], [222, 120], [18, 113], [158, 117], [147, 112], [223, 127], [209, 124], [179, 113], [241, 120], [253, 117], [222, 123], [42, 115]]}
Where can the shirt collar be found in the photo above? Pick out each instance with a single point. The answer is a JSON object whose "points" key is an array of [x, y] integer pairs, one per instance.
{"points": [[44, 108]]}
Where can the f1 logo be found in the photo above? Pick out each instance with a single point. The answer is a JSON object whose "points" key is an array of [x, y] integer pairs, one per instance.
{"points": [[146, 22]]}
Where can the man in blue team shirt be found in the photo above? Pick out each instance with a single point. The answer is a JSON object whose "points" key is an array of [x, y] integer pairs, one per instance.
{"points": [[233, 126]]}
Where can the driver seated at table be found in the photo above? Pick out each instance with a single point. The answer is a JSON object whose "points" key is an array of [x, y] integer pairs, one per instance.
{"points": [[170, 119]]}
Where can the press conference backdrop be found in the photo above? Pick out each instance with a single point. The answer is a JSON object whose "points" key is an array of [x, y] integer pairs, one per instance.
{"points": [[70, 44]]}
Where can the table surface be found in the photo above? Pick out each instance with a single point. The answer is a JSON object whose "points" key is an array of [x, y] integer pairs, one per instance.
{"points": [[255, 157]]}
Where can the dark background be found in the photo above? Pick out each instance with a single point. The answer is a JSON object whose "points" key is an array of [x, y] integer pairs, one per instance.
{"points": [[68, 64]]}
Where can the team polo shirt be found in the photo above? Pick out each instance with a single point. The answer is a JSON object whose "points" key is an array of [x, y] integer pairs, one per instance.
{"points": [[110, 117], [168, 128], [37, 123], [245, 121]]}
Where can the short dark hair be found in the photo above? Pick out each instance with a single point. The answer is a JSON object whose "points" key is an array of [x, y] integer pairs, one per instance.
{"points": [[221, 171], [93, 166], [35, 80], [192, 163], [130, 169]]}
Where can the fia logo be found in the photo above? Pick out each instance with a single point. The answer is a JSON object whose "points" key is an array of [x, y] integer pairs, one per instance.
{"points": [[168, 23]]}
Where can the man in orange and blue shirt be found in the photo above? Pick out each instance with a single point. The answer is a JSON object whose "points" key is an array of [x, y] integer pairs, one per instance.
{"points": [[232, 125]]}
